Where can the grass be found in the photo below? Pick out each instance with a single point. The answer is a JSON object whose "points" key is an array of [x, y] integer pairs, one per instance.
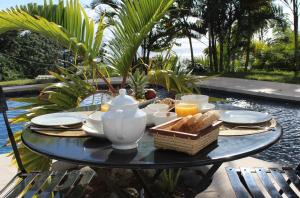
{"points": [[274, 76], [18, 82]]}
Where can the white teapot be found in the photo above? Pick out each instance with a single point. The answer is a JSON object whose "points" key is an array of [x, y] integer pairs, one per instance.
{"points": [[124, 124]]}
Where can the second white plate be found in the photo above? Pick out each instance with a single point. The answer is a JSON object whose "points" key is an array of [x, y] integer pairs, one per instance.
{"points": [[58, 119], [244, 117]]}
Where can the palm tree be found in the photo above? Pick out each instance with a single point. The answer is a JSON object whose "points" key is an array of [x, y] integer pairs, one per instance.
{"points": [[293, 5], [135, 20], [68, 24]]}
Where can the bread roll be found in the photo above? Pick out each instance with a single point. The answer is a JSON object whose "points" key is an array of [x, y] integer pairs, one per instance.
{"points": [[180, 125], [193, 119], [204, 121]]}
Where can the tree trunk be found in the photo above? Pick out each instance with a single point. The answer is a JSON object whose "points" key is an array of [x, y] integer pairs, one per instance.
{"points": [[295, 15], [247, 53], [214, 51], [192, 52], [211, 68], [109, 85], [221, 64], [144, 48], [228, 46]]}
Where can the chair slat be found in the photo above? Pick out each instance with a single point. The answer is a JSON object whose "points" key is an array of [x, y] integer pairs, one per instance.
{"points": [[41, 180], [250, 181], [237, 185], [291, 173], [87, 175], [69, 184], [57, 178], [266, 181], [9, 184], [21, 186], [282, 183]]}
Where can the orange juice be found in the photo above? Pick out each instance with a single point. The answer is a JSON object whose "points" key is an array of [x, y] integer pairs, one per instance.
{"points": [[104, 107], [185, 109]]}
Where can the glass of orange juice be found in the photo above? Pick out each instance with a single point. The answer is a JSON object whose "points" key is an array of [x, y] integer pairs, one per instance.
{"points": [[104, 99], [183, 109]]}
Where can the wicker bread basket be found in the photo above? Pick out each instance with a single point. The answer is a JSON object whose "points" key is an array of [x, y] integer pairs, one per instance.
{"points": [[190, 143]]}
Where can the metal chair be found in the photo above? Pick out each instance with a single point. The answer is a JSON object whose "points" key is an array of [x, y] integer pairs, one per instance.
{"points": [[244, 184], [42, 184]]}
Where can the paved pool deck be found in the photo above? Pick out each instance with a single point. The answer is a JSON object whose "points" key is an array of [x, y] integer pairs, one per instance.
{"points": [[220, 187], [252, 88]]}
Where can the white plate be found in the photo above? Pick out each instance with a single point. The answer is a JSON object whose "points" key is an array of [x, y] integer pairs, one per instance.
{"points": [[93, 132], [57, 119], [244, 117], [207, 107]]}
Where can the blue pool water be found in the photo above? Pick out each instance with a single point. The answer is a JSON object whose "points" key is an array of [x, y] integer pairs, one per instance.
{"points": [[15, 127], [286, 151]]}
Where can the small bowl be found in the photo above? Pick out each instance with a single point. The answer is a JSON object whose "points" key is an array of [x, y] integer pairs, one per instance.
{"points": [[163, 117], [158, 107], [207, 107], [196, 99], [149, 113], [94, 120]]}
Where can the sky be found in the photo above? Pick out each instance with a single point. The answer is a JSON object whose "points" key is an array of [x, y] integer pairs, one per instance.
{"points": [[183, 50], [12, 3]]}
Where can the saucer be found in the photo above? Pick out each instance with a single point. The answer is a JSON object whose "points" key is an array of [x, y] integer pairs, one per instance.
{"points": [[93, 132], [207, 107]]}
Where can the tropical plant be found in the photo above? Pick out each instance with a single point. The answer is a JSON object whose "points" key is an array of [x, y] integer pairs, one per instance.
{"points": [[135, 20], [169, 180], [294, 5], [138, 81], [171, 74], [68, 24], [26, 54], [57, 97]]}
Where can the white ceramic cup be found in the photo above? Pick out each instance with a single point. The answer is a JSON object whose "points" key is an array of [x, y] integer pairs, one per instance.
{"points": [[158, 107], [149, 113], [94, 120], [201, 100], [163, 117]]}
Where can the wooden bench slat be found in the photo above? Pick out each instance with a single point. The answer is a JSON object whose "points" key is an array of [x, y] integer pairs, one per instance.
{"points": [[237, 185], [266, 181], [41, 179], [21, 186], [57, 177], [291, 174], [252, 186], [282, 183]]}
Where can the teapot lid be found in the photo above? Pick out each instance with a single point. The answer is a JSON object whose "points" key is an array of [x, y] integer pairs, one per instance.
{"points": [[123, 99]]}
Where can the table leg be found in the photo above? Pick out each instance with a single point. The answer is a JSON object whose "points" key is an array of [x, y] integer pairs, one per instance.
{"points": [[207, 179], [110, 184], [145, 184]]}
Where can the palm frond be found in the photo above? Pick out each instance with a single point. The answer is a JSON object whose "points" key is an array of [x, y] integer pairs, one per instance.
{"points": [[67, 22], [135, 21]]}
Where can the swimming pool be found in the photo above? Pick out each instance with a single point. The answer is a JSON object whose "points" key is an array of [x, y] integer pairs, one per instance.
{"points": [[286, 151], [15, 127]]}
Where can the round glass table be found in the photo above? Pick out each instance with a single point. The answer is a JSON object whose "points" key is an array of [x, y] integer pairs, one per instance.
{"points": [[98, 153]]}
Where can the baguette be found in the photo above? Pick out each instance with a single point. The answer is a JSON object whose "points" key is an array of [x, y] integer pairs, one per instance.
{"points": [[193, 119], [204, 121], [180, 125]]}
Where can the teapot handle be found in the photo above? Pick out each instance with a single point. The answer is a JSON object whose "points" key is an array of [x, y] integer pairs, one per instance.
{"points": [[119, 115]]}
